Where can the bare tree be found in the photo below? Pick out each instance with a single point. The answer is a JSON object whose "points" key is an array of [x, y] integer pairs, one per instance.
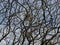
{"points": [[30, 22]]}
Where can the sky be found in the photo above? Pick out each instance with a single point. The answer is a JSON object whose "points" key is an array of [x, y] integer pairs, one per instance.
{"points": [[1, 43]]}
